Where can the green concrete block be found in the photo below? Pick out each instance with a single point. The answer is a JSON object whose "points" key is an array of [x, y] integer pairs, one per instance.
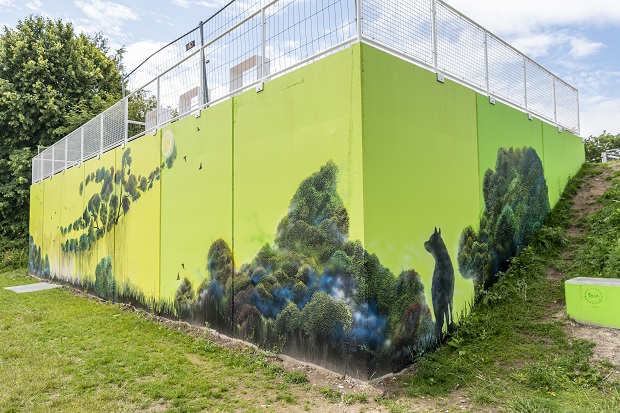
{"points": [[593, 301]]}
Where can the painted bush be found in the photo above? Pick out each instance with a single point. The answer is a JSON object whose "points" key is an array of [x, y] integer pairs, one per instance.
{"points": [[516, 203], [314, 291]]}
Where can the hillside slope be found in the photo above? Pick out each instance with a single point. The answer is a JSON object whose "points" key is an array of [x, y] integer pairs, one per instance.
{"points": [[518, 352]]}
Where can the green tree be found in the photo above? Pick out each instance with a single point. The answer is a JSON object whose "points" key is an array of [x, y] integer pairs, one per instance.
{"points": [[596, 145], [51, 81]]}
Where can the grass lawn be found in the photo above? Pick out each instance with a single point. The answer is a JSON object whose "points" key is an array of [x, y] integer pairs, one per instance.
{"points": [[62, 352]]}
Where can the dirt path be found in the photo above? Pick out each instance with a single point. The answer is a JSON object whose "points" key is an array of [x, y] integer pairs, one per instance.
{"points": [[606, 340]]}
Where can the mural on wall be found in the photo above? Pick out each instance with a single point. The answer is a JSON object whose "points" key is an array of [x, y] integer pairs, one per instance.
{"points": [[116, 189], [285, 225], [516, 203], [315, 291]]}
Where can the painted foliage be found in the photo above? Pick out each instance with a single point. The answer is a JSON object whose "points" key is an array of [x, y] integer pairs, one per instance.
{"points": [[516, 203], [112, 190], [314, 291]]}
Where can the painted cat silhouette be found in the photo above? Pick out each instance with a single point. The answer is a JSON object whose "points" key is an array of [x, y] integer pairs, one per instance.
{"points": [[442, 289]]}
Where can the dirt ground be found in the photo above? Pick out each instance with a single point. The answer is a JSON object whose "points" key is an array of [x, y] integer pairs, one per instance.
{"points": [[607, 340]]}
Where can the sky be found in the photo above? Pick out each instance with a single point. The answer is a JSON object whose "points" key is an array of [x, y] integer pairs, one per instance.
{"points": [[577, 40]]}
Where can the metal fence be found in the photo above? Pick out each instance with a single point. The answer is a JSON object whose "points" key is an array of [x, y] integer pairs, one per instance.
{"points": [[432, 34], [250, 41]]}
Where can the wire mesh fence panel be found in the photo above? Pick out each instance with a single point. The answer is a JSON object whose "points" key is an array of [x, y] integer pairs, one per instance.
{"points": [[36, 169], [234, 60], [180, 88], [162, 60], [230, 15], [539, 91], [506, 72], [567, 103], [141, 108], [406, 25], [74, 148], [296, 30], [460, 47], [59, 156], [92, 138], [47, 163], [113, 122]]}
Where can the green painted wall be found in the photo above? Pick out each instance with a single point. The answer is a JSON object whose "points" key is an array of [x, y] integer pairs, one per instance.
{"points": [[137, 234], [71, 207], [306, 214], [564, 154], [420, 165], [284, 134], [196, 197]]}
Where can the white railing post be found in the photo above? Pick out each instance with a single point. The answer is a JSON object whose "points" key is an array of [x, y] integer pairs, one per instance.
{"points": [[158, 100], [486, 60], [578, 115], [434, 34], [66, 152], [358, 19], [263, 41], [126, 120], [101, 135], [204, 98], [81, 144], [53, 160], [555, 104], [525, 83]]}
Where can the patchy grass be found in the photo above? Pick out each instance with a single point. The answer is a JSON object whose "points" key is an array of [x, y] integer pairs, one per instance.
{"points": [[62, 352]]}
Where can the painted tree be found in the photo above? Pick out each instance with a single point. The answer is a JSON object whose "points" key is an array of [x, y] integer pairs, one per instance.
{"points": [[516, 203]]}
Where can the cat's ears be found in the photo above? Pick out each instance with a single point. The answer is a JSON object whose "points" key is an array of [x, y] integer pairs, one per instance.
{"points": [[437, 232]]}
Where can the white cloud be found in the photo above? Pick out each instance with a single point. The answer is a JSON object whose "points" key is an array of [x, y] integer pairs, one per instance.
{"points": [[597, 111], [181, 3], [106, 16], [137, 52], [509, 17], [582, 47], [6, 3], [35, 5]]}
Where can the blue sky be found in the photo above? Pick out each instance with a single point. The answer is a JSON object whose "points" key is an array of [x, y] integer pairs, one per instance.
{"points": [[577, 40]]}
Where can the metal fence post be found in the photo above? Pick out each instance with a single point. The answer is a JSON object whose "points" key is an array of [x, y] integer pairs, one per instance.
{"points": [[486, 60], [263, 46], [525, 83], [81, 144], [101, 136], [157, 107], [555, 104], [203, 70], [126, 123], [66, 152], [578, 114], [53, 160], [358, 17], [434, 34]]}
